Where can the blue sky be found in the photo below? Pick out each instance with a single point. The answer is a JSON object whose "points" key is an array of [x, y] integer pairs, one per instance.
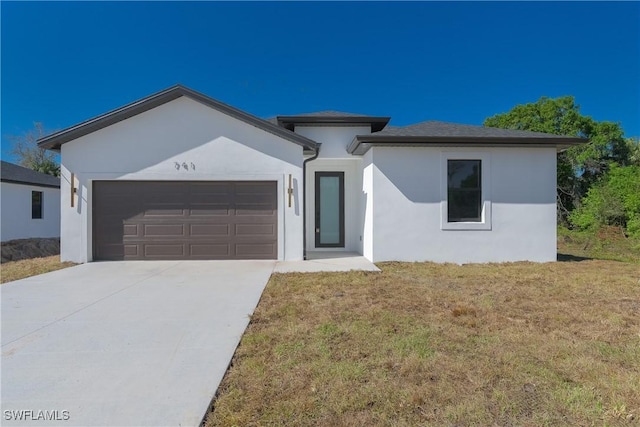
{"points": [[63, 63]]}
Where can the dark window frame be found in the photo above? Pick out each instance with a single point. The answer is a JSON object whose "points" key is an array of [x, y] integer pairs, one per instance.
{"points": [[37, 204], [452, 191], [340, 176]]}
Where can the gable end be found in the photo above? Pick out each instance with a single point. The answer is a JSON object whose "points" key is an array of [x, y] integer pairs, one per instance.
{"points": [[55, 140]]}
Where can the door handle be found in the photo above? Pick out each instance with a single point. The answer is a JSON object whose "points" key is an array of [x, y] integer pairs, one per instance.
{"points": [[317, 230]]}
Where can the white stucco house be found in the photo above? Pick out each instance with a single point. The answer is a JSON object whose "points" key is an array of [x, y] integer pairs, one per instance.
{"points": [[29, 203], [179, 175]]}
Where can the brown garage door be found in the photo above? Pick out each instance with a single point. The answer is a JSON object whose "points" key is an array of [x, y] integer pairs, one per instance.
{"points": [[153, 220]]}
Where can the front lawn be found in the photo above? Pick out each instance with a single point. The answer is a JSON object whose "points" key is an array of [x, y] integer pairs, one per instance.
{"points": [[426, 344], [14, 270]]}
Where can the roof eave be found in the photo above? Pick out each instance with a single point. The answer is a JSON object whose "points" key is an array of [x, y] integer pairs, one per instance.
{"points": [[34, 184], [362, 143], [376, 123], [55, 140]]}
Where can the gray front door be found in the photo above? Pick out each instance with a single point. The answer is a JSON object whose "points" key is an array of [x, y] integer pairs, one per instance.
{"points": [[329, 226]]}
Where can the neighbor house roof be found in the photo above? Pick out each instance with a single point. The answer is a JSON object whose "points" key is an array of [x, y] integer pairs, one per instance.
{"points": [[452, 134], [20, 175], [331, 117], [55, 140]]}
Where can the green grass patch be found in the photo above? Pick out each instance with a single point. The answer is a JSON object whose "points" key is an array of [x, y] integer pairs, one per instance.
{"points": [[609, 243]]}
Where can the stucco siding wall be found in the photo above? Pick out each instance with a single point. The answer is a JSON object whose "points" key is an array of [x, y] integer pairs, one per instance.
{"points": [[407, 207], [15, 205], [334, 139], [180, 140], [367, 170]]}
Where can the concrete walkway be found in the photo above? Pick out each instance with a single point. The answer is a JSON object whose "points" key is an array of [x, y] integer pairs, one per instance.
{"points": [[327, 261], [123, 343]]}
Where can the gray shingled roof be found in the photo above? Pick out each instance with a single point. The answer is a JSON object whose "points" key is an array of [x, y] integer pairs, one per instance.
{"points": [[20, 175], [434, 133], [433, 128]]}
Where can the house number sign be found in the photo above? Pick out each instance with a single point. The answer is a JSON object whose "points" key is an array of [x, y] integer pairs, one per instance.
{"points": [[184, 165]]}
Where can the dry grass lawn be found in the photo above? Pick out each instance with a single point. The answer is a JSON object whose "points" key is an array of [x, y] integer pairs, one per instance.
{"points": [[517, 344], [15, 270]]}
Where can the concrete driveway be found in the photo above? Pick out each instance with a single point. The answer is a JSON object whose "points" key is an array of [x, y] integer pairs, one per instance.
{"points": [[123, 343]]}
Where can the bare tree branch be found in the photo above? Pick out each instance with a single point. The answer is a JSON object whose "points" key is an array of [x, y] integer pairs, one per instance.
{"points": [[25, 148]]}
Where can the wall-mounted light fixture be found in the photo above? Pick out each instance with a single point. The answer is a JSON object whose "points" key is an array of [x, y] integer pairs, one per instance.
{"points": [[74, 190], [290, 190]]}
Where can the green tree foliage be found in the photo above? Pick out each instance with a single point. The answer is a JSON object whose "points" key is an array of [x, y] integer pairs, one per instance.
{"points": [[581, 166], [633, 145], [614, 200], [29, 155]]}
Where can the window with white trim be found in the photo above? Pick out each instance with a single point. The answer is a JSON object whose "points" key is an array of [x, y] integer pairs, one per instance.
{"points": [[465, 191]]}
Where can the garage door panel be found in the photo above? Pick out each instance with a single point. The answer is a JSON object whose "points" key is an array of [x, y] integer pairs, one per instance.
{"points": [[221, 187], [109, 250], [209, 210], [198, 230], [117, 232], [117, 251], [254, 209], [185, 220], [255, 229], [173, 188], [164, 230], [255, 219], [211, 197], [115, 206], [164, 249], [166, 210], [210, 250], [131, 250], [115, 203], [130, 230], [254, 250], [256, 187], [258, 199]]}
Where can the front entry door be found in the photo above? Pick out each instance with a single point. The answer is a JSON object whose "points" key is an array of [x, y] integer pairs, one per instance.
{"points": [[329, 225]]}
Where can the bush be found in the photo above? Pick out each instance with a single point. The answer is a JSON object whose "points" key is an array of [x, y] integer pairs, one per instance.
{"points": [[614, 200]]}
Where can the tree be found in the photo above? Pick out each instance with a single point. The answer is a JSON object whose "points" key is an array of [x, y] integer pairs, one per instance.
{"points": [[614, 200], [579, 167], [25, 148], [633, 145]]}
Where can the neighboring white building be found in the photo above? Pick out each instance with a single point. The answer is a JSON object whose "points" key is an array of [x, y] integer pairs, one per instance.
{"points": [[178, 175], [29, 203]]}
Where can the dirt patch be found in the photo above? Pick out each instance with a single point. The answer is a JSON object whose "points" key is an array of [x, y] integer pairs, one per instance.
{"points": [[15, 250]]}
